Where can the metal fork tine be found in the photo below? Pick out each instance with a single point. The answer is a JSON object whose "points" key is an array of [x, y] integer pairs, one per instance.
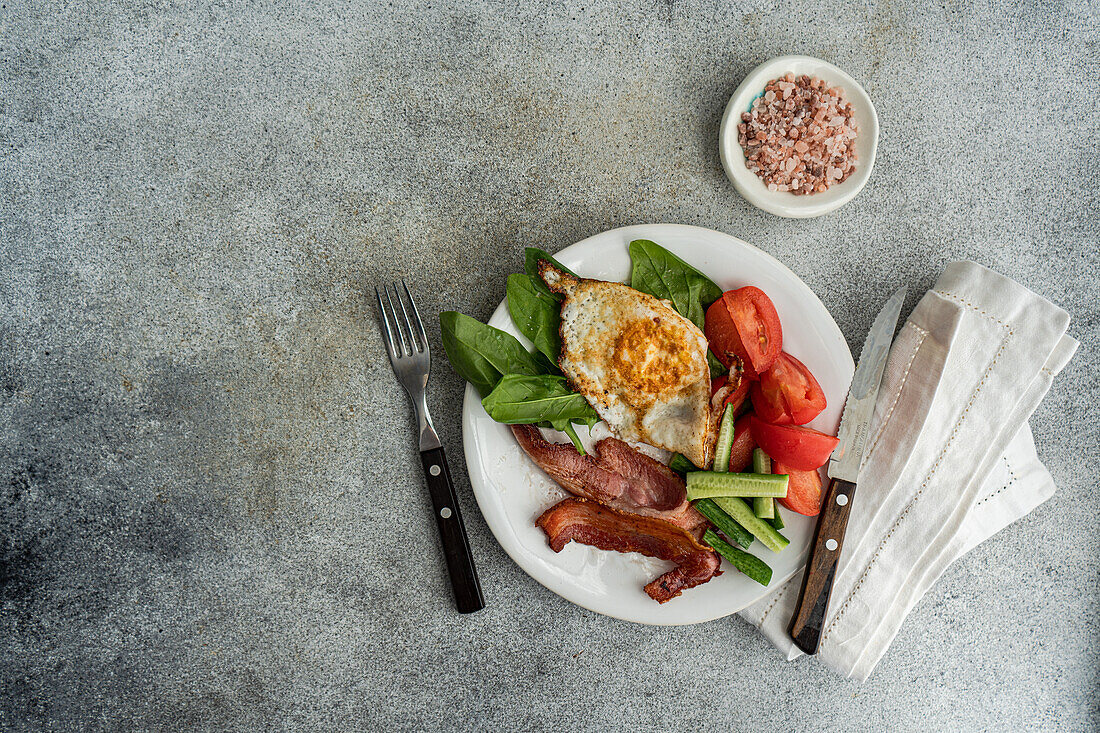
{"points": [[402, 335], [419, 330], [384, 317], [412, 338]]}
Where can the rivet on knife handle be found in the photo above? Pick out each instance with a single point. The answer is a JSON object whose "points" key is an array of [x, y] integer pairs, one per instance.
{"points": [[817, 583]]}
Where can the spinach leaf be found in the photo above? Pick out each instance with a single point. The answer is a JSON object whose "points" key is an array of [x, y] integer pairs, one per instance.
{"points": [[537, 315], [547, 366], [531, 257], [521, 398], [542, 399], [482, 354], [717, 368], [660, 273]]}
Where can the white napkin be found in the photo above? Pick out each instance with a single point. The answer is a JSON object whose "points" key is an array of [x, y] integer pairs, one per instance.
{"points": [[951, 460]]}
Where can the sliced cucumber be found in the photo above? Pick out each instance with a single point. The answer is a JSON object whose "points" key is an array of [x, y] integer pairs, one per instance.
{"points": [[752, 566], [725, 441], [777, 521], [724, 522], [760, 529], [681, 464], [760, 461], [708, 484], [762, 506]]}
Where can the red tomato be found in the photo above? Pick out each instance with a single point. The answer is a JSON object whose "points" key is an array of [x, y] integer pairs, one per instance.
{"points": [[743, 443], [743, 323], [803, 490], [787, 393], [793, 445], [723, 339]]}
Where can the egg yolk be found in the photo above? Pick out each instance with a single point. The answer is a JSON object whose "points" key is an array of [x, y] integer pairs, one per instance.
{"points": [[649, 358]]}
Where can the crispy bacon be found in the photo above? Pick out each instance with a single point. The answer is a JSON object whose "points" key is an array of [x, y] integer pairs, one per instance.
{"points": [[615, 474], [591, 523]]}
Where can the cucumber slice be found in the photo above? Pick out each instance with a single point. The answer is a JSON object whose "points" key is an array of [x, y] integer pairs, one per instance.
{"points": [[777, 521], [708, 484], [724, 522], [760, 461], [725, 441], [752, 566], [760, 529], [681, 464], [762, 506]]}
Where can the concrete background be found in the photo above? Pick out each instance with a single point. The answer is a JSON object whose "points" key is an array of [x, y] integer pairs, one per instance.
{"points": [[213, 513]]}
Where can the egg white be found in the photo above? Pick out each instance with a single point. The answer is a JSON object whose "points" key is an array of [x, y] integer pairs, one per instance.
{"points": [[640, 364]]}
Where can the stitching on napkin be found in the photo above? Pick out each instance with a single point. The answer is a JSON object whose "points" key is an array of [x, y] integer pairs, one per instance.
{"points": [[897, 395], [973, 307], [1012, 480], [772, 604], [932, 472]]}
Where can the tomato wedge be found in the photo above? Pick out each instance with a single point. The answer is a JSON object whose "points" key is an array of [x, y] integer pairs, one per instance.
{"points": [[787, 393], [743, 323], [743, 443], [803, 490], [723, 338], [793, 445]]}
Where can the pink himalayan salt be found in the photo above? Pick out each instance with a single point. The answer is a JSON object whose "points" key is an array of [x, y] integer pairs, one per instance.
{"points": [[799, 135]]}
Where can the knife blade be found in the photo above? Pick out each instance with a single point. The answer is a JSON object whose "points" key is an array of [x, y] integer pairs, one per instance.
{"points": [[855, 422], [860, 405]]}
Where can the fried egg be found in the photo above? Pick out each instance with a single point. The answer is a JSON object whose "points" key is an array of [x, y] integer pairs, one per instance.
{"points": [[638, 362]]}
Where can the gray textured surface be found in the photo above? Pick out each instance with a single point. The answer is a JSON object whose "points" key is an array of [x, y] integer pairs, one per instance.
{"points": [[212, 509]]}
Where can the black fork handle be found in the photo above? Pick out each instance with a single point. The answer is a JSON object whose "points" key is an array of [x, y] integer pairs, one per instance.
{"points": [[452, 532]]}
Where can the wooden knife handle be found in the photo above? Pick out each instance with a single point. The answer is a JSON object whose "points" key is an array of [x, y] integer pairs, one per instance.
{"points": [[452, 532], [817, 583]]}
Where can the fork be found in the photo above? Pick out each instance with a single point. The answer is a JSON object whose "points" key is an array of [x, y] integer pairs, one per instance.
{"points": [[407, 345]]}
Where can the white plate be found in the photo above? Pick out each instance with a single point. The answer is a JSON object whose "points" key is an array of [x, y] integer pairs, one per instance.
{"points": [[782, 203], [512, 491]]}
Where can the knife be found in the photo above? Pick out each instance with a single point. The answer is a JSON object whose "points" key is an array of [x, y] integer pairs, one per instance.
{"points": [[855, 422]]}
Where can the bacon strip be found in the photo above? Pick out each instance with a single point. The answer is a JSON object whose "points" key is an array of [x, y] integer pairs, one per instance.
{"points": [[615, 474], [600, 526]]}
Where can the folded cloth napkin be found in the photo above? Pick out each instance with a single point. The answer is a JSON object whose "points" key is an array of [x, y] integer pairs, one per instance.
{"points": [[950, 462]]}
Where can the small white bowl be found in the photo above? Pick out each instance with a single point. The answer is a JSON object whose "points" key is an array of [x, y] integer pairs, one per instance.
{"points": [[782, 203]]}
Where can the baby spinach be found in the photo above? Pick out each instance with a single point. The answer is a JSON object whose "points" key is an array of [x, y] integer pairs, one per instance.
{"points": [[717, 368], [660, 273], [482, 354], [537, 314], [531, 257], [544, 399]]}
